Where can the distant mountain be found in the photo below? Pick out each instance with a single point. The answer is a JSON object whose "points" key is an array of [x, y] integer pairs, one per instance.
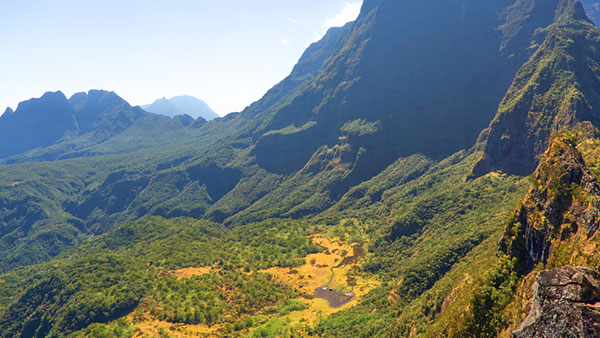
{"points": [[557, 88], [55, 125], [592, 9], [103, 113], [36, 123], [181, 105]]}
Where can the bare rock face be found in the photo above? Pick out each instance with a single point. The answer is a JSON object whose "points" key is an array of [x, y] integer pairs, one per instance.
{"points": [[563, 199], [566, 303]]}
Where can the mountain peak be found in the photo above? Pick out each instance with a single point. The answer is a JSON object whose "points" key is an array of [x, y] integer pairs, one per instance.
{"points": [[181, 105], [30, 123], [592, 9], [48, 98], [553, 91], [98, 96], [8, 111], [571, 10]]}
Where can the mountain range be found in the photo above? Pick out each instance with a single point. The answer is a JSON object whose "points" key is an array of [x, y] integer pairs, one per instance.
{"points": [[428, 170], [181, 105]]}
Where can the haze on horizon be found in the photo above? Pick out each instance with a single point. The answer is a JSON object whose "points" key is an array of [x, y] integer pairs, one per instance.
{"points": [[227, 53]]}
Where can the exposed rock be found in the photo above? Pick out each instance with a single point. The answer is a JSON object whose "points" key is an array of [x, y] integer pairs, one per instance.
{"points": [[566, 303], [564, 198], [551, 92]]}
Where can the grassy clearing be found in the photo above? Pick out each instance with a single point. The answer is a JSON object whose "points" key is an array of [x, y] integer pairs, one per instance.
{"points": [[333, 267], [191, 272], [157, 328]]}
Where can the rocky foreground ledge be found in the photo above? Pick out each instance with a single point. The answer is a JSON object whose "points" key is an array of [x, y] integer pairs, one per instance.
{"points": [[566, 303]]}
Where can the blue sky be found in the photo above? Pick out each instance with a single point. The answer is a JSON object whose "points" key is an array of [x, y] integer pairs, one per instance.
{"points": [[226, 52]]}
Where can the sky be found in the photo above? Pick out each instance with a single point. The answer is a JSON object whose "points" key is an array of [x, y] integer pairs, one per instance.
{"points": [[225, 52]]}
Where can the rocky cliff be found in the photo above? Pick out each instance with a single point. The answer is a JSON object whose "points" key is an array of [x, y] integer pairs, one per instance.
{"points": [[566, 303], [563, 199]]}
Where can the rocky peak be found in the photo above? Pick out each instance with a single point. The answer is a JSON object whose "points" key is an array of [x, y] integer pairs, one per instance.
{"points": [[566, 303]]}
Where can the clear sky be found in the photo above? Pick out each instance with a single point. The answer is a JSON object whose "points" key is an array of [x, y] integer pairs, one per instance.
{"points": [[226, 52]]}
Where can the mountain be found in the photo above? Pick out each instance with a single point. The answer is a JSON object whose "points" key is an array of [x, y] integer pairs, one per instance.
{"points": [[592, 9], [181, 105], [81, 126], [388, 90], [557, 88], [103, 113], [27, 127], [379, 176]]}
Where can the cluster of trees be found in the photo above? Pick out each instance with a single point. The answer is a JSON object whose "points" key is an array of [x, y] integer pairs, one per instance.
{"points": [[125, 267]]}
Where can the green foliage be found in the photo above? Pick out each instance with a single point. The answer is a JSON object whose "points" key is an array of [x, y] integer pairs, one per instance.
{"points": [[310, 152], [289, 305], [360, 127], [108, 276], [485, 316], [88, 289], [120, 329], [209, 298]]}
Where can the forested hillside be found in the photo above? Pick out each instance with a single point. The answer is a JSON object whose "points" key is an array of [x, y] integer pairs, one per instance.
{"points": [[363, 195]]}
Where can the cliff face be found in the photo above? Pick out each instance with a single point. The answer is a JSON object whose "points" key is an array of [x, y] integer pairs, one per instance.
{"points": [[557, 88], [564, 199], [566, 303]]}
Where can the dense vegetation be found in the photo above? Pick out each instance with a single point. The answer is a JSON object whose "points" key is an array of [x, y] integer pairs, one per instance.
{"points": [[134, 267], [138, 225]]}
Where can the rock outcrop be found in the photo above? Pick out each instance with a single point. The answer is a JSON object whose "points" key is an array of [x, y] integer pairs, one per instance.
{"points": [[566, 303], [563, 199]]}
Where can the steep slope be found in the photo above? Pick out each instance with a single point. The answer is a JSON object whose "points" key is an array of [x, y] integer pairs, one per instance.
{"points": [[382, 70], [400, 80], [554, 226], [36, 123], [564, 305], [355, 141], [562, 202], [166, 165], [103, 113], [554, 90], [310, 63], [51, 119], [390, 89]]}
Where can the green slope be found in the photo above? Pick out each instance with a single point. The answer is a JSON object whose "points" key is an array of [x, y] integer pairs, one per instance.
{"points": [[557, 88], [363, 143]]}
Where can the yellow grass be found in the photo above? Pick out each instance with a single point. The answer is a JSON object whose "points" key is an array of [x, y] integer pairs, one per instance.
{"points": [[322, 269], [191, 272], [155, 328]]}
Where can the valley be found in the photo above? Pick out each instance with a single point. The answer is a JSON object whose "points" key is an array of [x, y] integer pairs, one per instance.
{"points": [[420, 172]]}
